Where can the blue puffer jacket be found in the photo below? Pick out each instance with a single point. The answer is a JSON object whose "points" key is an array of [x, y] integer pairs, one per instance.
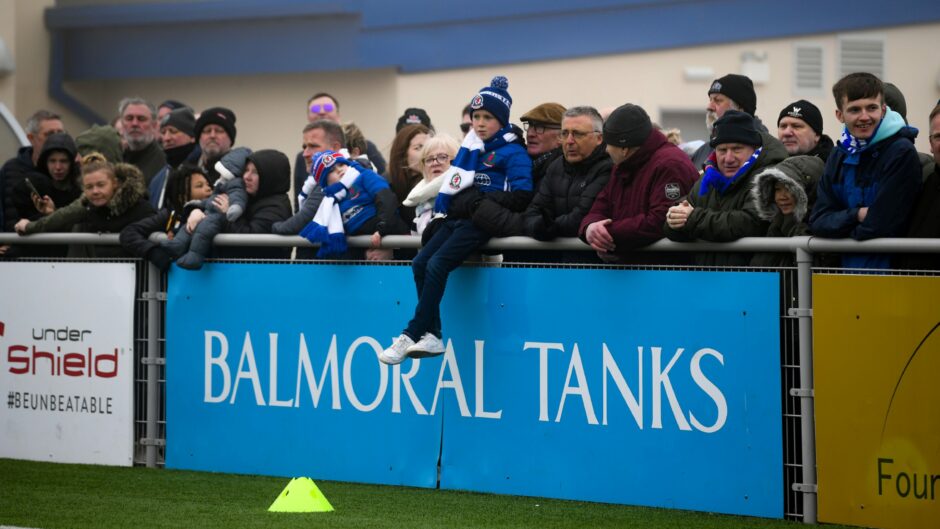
{"points": [[887, 181]]}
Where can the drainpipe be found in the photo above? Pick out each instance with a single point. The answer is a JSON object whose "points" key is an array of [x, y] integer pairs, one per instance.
{"points": [[57, 79]]}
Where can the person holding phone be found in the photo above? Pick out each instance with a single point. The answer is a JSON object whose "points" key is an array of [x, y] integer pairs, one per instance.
{"points": [[53, 185]]}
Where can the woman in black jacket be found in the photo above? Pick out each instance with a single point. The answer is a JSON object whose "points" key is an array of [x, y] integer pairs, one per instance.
{"points": [[267, 181], [184, 184]]}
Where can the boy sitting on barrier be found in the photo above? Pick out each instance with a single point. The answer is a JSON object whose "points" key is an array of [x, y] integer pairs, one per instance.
{"points": [[490, 165]]}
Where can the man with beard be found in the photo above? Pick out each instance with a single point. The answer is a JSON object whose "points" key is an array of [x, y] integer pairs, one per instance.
{"points": [[140, 129], [215, 130], [731, 92]]}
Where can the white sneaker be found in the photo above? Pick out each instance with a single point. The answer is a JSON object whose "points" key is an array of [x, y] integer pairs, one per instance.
{"points": [[397, 352], [428, 345]]}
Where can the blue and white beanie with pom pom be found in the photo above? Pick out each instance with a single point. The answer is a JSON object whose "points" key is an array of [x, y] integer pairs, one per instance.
{"points": [[494, 99]]}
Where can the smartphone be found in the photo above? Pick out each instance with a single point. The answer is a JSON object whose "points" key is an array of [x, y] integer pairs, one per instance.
{"points": [[32, 188]]}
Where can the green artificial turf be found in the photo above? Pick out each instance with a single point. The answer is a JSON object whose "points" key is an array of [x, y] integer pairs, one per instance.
{"points": [[60, 496]]}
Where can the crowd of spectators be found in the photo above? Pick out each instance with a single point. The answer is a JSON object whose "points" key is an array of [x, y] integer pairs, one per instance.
{"points": [[618, 182]]}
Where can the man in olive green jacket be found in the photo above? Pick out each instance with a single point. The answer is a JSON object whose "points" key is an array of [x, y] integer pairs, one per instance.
{"points": [[719, 207]]}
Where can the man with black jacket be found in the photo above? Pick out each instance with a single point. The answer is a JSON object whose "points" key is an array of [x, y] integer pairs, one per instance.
{"points": [[565, 194]]}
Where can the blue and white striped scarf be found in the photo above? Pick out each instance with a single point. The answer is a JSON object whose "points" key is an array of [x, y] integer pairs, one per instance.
{"points": [[326, 228], [461, 172]]}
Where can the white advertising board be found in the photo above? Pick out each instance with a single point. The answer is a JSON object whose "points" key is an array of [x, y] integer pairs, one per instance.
{"points": [[66, 362]]}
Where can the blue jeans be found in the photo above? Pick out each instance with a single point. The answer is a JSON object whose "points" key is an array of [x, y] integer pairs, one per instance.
{"points": [[448, 248]]}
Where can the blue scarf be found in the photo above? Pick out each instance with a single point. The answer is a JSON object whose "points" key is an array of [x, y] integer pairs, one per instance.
{"points": [[462, 170], [713, 179]]}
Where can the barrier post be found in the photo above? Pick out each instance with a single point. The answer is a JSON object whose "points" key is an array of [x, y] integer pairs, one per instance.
{"points": [[155, 296], [804, 311]]}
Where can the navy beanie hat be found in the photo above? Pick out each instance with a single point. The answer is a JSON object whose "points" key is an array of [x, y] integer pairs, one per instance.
{"points": [[735, 127], [494, 99]]}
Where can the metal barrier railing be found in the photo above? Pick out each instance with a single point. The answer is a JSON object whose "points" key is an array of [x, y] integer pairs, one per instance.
{"points": [[152, 299]]}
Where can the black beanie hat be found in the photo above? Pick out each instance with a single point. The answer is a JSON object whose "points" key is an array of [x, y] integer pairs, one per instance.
{"points": [[735, 127], [413, 116], [739, 89], [627, 126], [182, 119], [220, 116], [172, 104], [806, 111]]}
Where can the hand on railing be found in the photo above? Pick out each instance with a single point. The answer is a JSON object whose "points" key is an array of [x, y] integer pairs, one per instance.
{"points": [[20, 226]]}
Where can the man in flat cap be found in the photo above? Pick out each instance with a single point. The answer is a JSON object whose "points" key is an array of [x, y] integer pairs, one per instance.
{"points": [[542, 141]]}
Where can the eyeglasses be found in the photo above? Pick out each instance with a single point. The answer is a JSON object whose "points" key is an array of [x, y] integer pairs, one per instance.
{"points": [[577, 134], [325, 108], [538, 128], [465, 127], [440, 158]]}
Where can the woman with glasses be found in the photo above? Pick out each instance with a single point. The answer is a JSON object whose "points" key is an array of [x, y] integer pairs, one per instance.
{"points": [[435, 160]]}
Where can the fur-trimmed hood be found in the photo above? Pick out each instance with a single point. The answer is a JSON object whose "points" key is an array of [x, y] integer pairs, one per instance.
{"points": [[131, 190], [799, 174]]}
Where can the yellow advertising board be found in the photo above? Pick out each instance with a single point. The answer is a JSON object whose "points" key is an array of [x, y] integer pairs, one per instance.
{"points": [[876, 348]]}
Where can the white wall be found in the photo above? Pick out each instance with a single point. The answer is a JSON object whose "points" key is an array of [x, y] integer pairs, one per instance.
{"points": [[655, 80]]}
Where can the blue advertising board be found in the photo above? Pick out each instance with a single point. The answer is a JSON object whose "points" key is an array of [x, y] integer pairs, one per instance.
{"points": [[657, 388]]}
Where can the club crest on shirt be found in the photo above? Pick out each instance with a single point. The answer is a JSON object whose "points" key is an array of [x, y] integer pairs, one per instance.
{"points": [[476, 102], [455, 181], [490, 160], [673, 191]]}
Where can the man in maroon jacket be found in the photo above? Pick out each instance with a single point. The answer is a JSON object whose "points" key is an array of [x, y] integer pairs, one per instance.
{"points": [[650, 175]]}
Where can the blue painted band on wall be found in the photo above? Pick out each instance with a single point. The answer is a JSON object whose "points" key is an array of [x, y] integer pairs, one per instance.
{"points": [[251, 37]]}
